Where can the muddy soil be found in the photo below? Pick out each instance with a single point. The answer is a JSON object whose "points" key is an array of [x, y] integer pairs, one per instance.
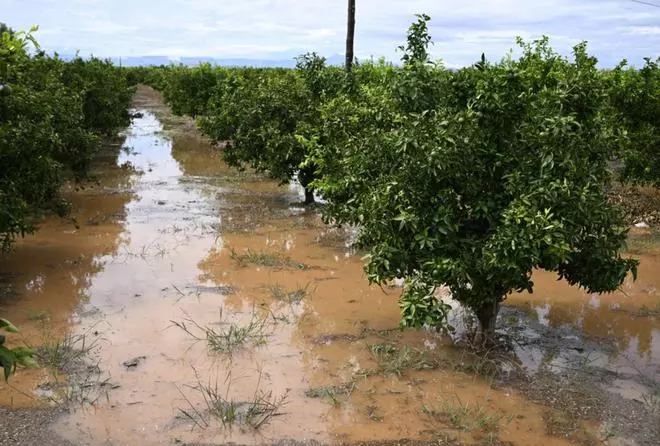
{"points": [[186, 303]]}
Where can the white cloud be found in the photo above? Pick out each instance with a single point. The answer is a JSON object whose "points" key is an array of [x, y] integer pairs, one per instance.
{"points": [[230, 51], [101, 26], [644, 30], [615, 29], [498, 35]]}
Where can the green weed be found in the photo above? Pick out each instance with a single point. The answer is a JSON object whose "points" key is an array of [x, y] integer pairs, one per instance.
{"points": [[41, 316], [63, 354], [466, 417], [335, 395], [396, 361], [295, 296], [75, 379], [230, 338], [267, 259], [254, 413]]}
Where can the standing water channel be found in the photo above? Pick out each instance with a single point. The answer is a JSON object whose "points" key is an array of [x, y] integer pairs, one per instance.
{"points": [[185, 302]]}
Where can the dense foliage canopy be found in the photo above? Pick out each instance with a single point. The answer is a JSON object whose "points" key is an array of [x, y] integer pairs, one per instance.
{"points": [[634, 96], [499, 170], [52, 115], [255, 113], [470, 178]]}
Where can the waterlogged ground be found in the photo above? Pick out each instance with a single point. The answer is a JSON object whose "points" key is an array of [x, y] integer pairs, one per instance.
{"points": [[172, 248]]}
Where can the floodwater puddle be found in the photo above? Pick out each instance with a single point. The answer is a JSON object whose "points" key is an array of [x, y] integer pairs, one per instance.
{"points": [[215, 308]]}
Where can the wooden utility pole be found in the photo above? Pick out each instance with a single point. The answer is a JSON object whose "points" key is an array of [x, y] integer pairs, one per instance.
{"points": [[350, 35]]}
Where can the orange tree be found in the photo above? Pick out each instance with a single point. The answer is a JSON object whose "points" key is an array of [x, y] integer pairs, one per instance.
{"points": [[105, 93], [634, 99], [475, 179], [52, 115], [188, 90], [259, 112]]}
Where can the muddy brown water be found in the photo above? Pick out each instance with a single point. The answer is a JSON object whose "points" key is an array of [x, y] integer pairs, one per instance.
{"points": [[150, 245]]}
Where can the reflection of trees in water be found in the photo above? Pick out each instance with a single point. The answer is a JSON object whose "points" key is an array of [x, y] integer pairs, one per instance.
{"points": [[595, 379], [619, 326], [196, 156], [616, 318], [239, 227], [53, 269]]}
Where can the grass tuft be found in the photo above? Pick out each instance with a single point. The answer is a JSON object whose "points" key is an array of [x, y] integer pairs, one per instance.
{"points": [[335, 395], [255, 413], [267, 259], [492, 362], [648, 311], [74, 378], [41, 316], [64, 354], [295, 296], [396, 361], [466, 417], [230, 338]]}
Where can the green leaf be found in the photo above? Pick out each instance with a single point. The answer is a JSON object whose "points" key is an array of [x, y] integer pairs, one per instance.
{"points": [[7, 362], [8, 326]]}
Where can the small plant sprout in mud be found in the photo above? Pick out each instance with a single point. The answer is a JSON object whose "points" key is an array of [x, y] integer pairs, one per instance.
{"points": [[75, 377], [473, 418], [607, 431], [267, 259], [277, 318], [648, 311], [335, 395], [491, 364], [372, 413], [253, 413], [62, 354], [40, 316], [651, 397], [229, 337], [490, 361], [392, 360], [295, 296]]}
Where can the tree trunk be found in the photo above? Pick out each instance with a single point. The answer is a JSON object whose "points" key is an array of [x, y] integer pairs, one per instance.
{"points": [[350, 35], [305, 177], [487, 316], [309, 196]]}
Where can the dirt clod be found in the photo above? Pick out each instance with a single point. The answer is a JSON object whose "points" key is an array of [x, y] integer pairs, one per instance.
{"points": [[134, 362]]}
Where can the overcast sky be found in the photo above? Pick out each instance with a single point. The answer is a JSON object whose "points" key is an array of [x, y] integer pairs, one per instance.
{"points": [[276, 29]]}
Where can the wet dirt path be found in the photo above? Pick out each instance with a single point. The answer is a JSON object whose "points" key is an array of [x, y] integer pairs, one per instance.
{"points": [[171, 238]]}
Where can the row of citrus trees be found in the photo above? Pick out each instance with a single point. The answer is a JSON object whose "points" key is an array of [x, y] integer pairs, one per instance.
{"points": [[53, 115], [470, 178]]}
